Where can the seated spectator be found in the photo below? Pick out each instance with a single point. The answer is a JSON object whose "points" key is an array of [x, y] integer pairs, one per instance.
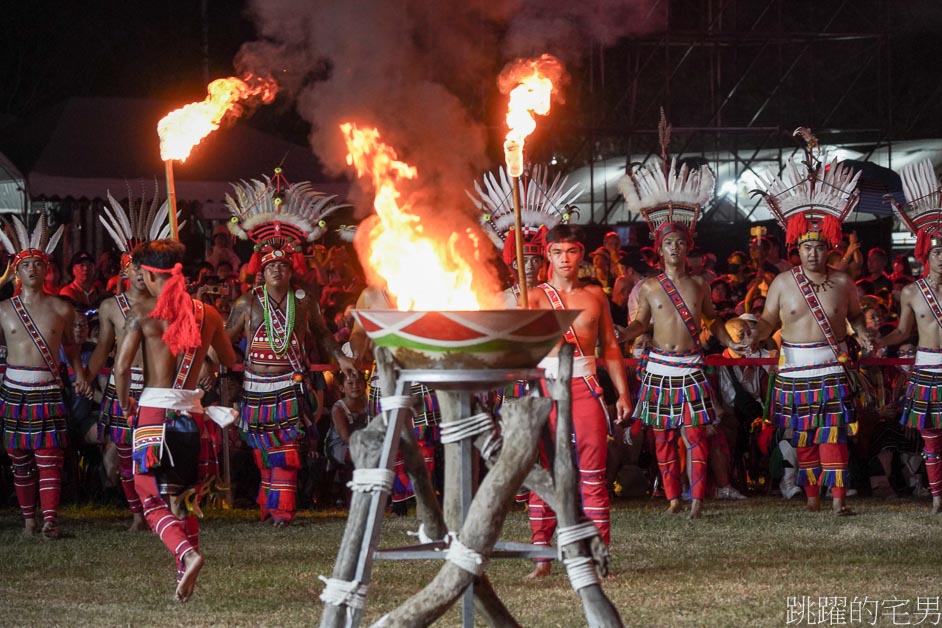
{"points": [[348, 415], [82, 289], [876, 270], [222, 250], [902, 269]]}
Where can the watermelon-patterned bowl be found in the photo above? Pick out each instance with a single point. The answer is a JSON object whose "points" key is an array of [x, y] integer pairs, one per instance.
{"points": [[484, 339]]}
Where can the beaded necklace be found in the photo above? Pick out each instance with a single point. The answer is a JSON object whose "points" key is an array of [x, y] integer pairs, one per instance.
{"points": [[279, 338]]}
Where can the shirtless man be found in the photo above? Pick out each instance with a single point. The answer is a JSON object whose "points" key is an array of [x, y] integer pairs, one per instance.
{"points": [[675, 399], [922, 409], [114, 430], [34, 326], [592, 328], [174, 338], [919, 303], [278, 410], [811, 396]]}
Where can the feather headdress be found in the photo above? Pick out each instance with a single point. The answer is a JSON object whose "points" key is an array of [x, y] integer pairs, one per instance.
{"points": [[278, 217], [22, 244], [670, 198], [144, 222], [543, 206], [922, 213], [811, 200]]}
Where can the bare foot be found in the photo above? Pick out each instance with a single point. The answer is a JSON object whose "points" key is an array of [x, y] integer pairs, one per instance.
{"points": [[192, 563], [281, 523], [695, 507], [541, 571], [936, 504], [29, 528], [675, 507], [813, 505], [50, 530], [139, 524]]}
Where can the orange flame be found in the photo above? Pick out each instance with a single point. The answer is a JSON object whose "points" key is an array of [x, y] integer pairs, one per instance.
{"points": [[531, 84], [186, 127], [420, 271]]}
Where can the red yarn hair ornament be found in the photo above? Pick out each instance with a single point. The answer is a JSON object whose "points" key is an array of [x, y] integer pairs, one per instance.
{"points": [[176, 306]]}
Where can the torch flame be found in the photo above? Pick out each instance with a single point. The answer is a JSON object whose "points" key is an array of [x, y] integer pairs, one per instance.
{"points": [[186, 127], [420, 271], [531, 84]]}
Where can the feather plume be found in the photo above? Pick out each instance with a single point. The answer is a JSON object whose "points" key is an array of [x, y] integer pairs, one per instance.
{"points": [[543, 202], [302, 209], [673, 195], [922, 213], [8, 245], [22, 237], [54, 240]]}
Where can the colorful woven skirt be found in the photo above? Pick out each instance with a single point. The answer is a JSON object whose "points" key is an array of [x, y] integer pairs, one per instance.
{"points": [[275, 410], [922, 403], [427, 412], [111, 422], [32, 409], [811, 391], [674, 392]]}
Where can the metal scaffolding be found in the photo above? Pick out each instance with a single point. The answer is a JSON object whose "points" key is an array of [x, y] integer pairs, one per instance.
{"points": [[735, 77]]}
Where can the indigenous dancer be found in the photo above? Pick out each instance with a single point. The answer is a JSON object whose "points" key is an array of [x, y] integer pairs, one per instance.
{"points": [[811, 396], [593, 327], [170, 449], [919, 303], [675, 398], [543, 206], [34, 326], [278, 402], [144, 223]]}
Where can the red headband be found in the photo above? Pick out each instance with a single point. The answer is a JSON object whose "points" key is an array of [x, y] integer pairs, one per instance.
{"points": [[28, 253], [672, 227], [176, 306], [534, 243]]}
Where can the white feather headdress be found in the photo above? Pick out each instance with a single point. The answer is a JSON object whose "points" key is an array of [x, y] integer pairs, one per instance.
{"points": [[144, 222], [22, 244], [810, 200], [272, 208], [543, 203], [669, 194], [922, 213]]}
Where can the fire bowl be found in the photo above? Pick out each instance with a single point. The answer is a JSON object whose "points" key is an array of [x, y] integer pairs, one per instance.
{"points": [[484, 339]]}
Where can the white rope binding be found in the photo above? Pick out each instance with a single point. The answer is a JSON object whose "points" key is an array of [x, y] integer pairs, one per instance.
{"points": [[572, 534], [343, 593], [466, 427], [371, 480], [465, 557], [396, 402], [582, 572]]}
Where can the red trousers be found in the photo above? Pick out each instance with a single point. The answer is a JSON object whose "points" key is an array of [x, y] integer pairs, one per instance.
{"points": [[697, 445], [179, 535], [821, 464], [932, 450], [25, 464], [126, 473], [591, 432], [277, 493]]}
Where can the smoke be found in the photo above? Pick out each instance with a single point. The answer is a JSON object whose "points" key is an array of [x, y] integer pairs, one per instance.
{"points": [[422, 71]]}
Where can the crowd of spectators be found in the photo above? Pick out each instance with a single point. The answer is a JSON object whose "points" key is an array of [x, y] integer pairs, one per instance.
{"points": [[745, 457]]}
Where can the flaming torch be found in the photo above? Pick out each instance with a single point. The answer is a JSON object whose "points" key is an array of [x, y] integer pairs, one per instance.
{"points": [[184, 128], [531, 84]]}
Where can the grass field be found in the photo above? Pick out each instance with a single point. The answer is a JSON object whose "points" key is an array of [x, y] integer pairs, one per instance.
{"points": [[736, 566]]}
